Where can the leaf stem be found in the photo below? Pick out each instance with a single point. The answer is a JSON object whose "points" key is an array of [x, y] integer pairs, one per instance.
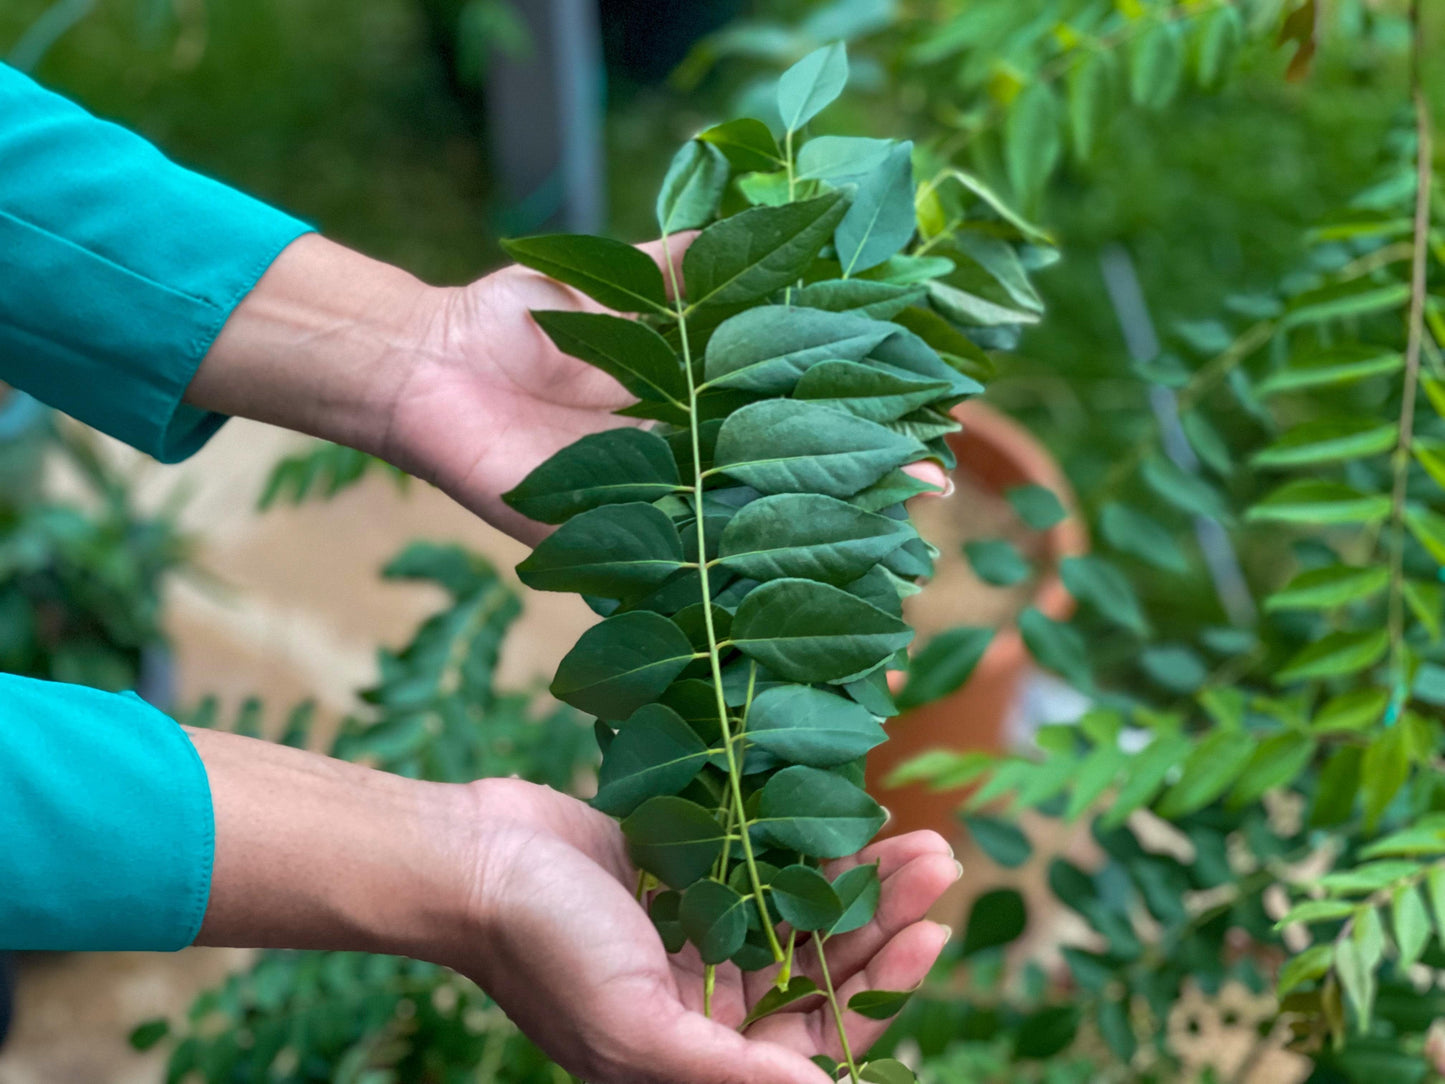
{"points": [[832, 995], [734, 773], [1416, 328], [709, 983]]}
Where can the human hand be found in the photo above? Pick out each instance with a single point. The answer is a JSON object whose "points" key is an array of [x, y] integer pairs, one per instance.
{"points": [[491, 396], [572, 958]]}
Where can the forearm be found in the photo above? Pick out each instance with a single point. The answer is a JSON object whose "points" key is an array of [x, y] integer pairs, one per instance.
{"points": [[322, 345], [317, 853]]}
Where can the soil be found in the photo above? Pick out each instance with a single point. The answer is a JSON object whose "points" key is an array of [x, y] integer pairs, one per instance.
{"points": [[955, 596]]}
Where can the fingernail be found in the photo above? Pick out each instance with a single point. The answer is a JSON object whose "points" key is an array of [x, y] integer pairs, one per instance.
{"points": [[958, 870], [947, 932], [948, 487], [887, 814]]}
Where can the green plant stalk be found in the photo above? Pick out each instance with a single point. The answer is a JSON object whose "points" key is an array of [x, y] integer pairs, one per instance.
{"points": [[734, 774], [1415, 333], [832, 996]]}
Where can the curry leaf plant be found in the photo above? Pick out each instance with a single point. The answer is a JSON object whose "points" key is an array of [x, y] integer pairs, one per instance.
{"points": [[743, 532]]}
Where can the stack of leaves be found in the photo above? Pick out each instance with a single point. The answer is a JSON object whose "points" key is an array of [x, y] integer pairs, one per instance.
{"points": [[750, 547]]}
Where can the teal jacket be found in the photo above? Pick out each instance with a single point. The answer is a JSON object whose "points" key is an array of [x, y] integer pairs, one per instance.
{"points": [[117, 271]]}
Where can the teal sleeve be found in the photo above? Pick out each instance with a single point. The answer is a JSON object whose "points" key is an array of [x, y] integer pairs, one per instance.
{"points": [[117, 269], [106, 827]]}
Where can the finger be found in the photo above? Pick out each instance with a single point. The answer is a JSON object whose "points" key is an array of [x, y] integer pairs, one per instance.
{"points": [[933, 474], [901, 965], [892, 854], [673, 247], [907, 896], [693, 1048]]}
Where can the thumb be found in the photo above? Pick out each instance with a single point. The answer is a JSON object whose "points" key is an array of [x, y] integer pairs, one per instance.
{"points": [[700, 1051]]}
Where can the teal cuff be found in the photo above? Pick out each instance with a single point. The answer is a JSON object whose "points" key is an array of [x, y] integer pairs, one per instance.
{"points": [[118, 269], [107, 832]]}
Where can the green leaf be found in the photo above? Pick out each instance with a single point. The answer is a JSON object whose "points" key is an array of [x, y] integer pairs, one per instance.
{"points": [[613, 551], [1412, 842], [1032, 140], [1206, 442], [1384, 771], [1356, 958], [1146, 774], [880, 218], [1431, 456], [807, 536], [841, 160], [767, 349], [869, 391], [1174, 667], [810, 85], [1095, 581], [784, 446], [1343, 365], [1207, 773], [1156, 65], [664, 913], [1358, 297], [1185, 491], [879, 300], [715, 919], [675, 840], [1336, 654], [1055, 646], [1411, 925], [1316, 503], [693, 187], [1090, 84], [746, 143], [751, 254], [1279, 760], [886, 1071], [1425, 601], [612, 467], [149, 1034], [1046, 1032], [1116, 1029], [807, 631], [804, 898], [1428, 529], [1002, 841], [1036, 505], [1027, 230], [816, 813], [610, 272], [1311, 964], [944, 664], [1220, 34], [996, 918], [1133, 532], [1328, 440], [629, 351], [1326, 588], [622, 663], [654, 753], [765, 189], [1311, 911], [997, 562], [803, 725], [1435, 885], [879, 1004], [798, 988], [859, 891]]}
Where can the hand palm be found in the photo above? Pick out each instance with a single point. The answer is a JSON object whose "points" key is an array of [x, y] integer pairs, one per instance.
{"points": [[583, 972], [502, 398]]}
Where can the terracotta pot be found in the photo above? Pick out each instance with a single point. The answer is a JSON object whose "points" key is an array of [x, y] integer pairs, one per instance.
{"points": [[995, 454]]}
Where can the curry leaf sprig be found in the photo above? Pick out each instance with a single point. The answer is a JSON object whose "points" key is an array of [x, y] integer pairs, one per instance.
{"points": [[748, 546]]}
